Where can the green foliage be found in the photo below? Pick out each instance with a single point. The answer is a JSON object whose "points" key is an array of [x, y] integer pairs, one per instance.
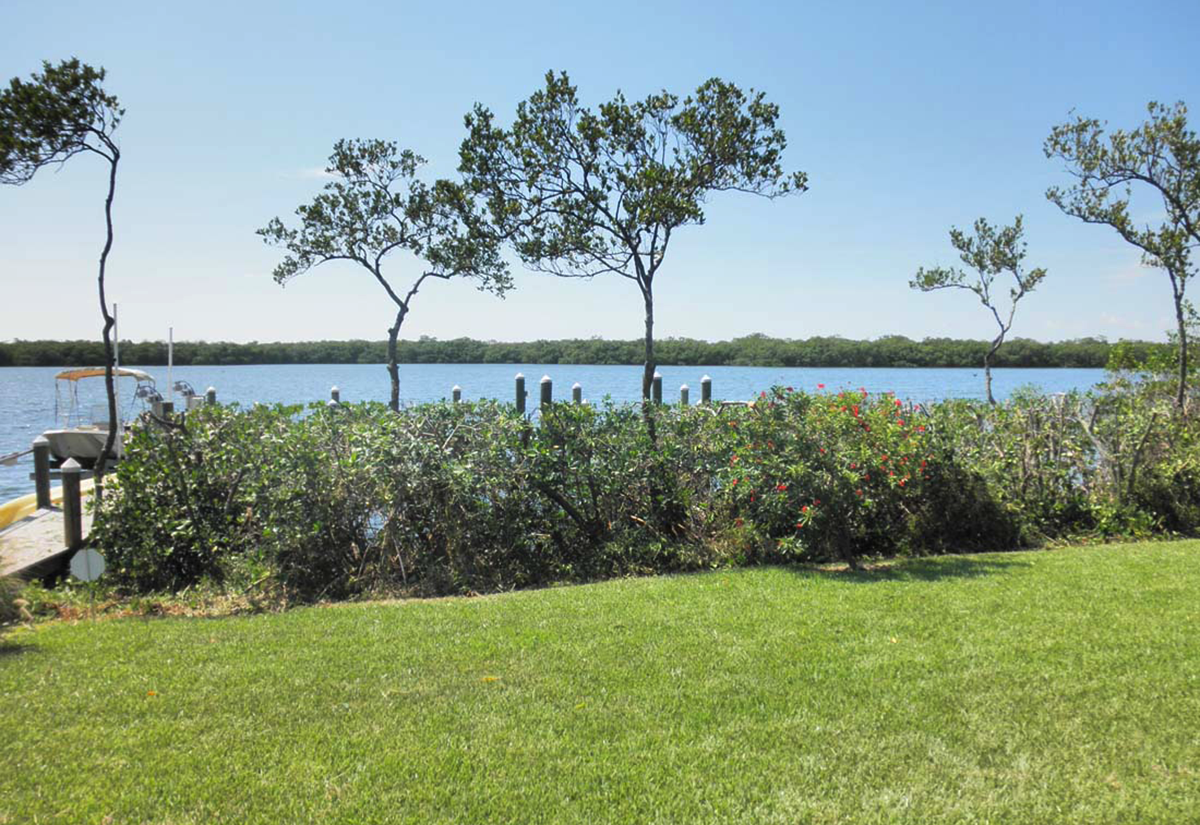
{"points": [[1162, 157], [751, 350], [375, 205], [990, 252], [580, 193], [55, 115], [453, 498], [10, 589]]}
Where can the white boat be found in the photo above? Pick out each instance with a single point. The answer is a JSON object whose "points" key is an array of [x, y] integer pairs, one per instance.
{"points": [[81, 435]]}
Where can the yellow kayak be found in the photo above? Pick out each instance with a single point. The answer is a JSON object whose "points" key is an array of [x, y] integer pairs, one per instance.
{"points": [[19, 508]]}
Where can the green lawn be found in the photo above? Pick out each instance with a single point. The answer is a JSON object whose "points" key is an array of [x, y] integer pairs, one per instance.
{"points": [[1041, 687]]}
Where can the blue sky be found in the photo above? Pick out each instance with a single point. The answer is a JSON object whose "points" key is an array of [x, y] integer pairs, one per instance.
{"points": [[908, 118]]}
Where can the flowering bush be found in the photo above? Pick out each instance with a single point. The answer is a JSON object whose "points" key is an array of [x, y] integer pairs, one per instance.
{"points": [[826, 476]]}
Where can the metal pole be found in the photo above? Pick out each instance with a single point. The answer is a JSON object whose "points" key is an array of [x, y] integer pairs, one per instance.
{"points": [[41, 471], [71, 505], [170, 362], [119, 443]]}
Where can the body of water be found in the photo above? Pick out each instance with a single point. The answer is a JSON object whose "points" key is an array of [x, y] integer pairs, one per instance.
{"points": [[27, 394]]}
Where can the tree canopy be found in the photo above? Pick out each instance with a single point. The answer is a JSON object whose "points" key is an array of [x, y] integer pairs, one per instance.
{"points": [[60, 113], [991, 252], [580, 193], [1160, 157], [375, 205]]}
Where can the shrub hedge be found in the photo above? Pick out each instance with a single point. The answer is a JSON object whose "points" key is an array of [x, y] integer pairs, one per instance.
{"points": [[329, 502]]}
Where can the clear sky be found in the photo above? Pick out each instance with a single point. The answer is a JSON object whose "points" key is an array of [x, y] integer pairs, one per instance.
{"points": [[908, 118]]}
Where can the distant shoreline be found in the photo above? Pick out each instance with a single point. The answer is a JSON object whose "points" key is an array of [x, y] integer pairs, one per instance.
{"points": [[894, 352]]}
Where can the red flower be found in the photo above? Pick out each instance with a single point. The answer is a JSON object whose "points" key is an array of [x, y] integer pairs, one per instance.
{"points": [[738, 523], [798, 525], [853, 466], [804, 509], [900, 421], [816, 502], [735, 481], [781, 487], [858, 492], [820, 386]]}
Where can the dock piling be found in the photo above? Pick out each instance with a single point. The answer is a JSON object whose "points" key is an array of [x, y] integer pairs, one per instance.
{"points": [[706, 390], [41, 471], [656, 388], [547, 392], [577, 393], [683, 395], [72, 505], [520, 392]]}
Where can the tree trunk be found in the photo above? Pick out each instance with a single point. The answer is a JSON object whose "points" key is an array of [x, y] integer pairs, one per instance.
{"points": [[648, 373], [987, 367], [1180, 391], [392, 368], [109, 361]]}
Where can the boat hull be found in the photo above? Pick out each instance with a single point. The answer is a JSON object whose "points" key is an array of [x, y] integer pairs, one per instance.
{"points": [[84, 444]]}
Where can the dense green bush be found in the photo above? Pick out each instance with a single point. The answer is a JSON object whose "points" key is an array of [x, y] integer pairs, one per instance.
{"points": [[452, 498]]}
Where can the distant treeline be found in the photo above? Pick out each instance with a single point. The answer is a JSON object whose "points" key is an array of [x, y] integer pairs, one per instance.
{"points": [[752, 350]]}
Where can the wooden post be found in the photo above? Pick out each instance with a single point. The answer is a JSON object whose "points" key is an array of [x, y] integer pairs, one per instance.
{"points": [[683, 395], [210, 396], [456, 393], [706, 390], [547, 392], [335, 395], [41, 471], [71, 505], [656, 388], [577, 393], [520, 381]]}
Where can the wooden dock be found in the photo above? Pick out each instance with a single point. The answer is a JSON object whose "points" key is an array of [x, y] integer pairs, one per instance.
{"points": [[34, 546]]}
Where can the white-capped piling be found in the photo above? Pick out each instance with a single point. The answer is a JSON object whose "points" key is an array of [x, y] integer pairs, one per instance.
{"points": [[456, 393], [683, 395], [210, 396], [706, 390], [520, 393], [656, 388], [577, 393], [335, 395], [547, 392]]}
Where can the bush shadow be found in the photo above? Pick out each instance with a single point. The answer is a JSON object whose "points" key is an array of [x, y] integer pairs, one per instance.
{"points": [[928, 569]]}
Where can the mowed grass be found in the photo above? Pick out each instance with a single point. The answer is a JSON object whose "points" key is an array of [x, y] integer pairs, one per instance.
{"points": [[1043, 687]]}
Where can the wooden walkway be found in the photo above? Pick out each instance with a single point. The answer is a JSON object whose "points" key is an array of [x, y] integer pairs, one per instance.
{"points": [[34, 545]]}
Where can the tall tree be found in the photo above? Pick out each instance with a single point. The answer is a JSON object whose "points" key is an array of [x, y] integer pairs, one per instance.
{"points": [[580, 193], [1162, 156], [991, 252], [60, 113], [374, 205]]}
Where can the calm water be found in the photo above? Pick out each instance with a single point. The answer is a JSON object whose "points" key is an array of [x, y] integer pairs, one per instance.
{"points": [[27, 394]]}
